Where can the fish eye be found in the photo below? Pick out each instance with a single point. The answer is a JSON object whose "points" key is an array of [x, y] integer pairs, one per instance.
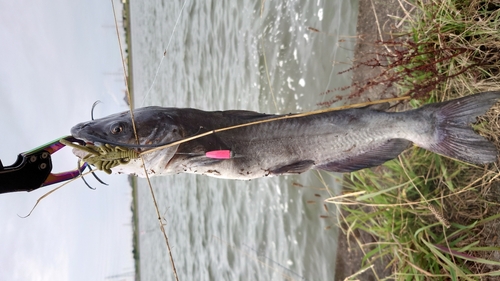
{"points": [[116, 128]]}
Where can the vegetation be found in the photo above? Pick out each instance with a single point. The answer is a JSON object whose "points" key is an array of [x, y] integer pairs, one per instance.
{"points": [[434, 218], [135, 226], [450, 48]]}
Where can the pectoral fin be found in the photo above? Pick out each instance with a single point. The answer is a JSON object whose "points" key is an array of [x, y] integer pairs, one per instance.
{"points": [[389, 150], [294, 168]]}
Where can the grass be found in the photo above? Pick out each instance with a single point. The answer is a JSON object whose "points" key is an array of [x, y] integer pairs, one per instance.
{"points": [[429, 215], [434, 218], [447, 45]]}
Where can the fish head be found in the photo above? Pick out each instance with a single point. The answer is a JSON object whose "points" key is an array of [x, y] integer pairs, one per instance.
{"points": [[155, 127]]}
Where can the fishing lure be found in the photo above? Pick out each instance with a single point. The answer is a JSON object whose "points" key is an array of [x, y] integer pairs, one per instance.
{"points": [[105, 157]]}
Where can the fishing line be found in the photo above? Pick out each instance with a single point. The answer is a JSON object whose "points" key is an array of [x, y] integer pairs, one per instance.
{"points": [[162, 228], [267, 69], [255, 257], [164, 54]]}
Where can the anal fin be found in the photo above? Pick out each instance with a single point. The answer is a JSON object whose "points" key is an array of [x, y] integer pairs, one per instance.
{"points": [[294, 168], [377, 156]]}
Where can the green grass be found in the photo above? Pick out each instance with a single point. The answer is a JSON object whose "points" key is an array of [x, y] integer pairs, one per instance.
{"points": [[450, 45], [427, 222], [434, 218], [453, 45]]}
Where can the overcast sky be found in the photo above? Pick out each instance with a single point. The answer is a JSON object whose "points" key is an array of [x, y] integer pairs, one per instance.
{"points": [[57, 58]]}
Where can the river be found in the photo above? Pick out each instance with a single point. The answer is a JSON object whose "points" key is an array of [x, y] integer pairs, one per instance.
{"points": [[275, 57]]}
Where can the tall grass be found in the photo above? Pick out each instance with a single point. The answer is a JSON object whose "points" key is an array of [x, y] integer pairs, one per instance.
{"points": [[447, 47], [434, 218], [428, 213]]}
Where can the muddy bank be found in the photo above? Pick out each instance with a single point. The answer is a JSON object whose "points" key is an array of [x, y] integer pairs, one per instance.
{"points": [[378, 21]]}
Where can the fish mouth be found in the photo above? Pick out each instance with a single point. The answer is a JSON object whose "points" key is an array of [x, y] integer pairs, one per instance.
{"points": [[85, 141], [77, 133]]}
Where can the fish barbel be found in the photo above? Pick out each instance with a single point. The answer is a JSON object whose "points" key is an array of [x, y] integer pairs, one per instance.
{"points": [[338, 141]]}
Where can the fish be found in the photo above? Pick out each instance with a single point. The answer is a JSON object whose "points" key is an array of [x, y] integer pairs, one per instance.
{"points": [[337, 141]]}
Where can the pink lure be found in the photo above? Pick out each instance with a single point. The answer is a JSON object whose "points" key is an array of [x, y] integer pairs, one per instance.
{"points": [[219, 154]]}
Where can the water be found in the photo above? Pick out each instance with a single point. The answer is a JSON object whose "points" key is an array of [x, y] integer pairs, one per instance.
{"points": [[267, 229]]}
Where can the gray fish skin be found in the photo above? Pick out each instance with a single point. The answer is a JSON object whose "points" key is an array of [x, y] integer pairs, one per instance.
{"points": [[337, 141]]}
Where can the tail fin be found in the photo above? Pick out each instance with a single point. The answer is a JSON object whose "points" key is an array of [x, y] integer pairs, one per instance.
{"points": [[454, 136]]}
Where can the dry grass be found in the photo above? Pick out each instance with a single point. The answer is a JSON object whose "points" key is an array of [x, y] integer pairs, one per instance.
{"points": [[434, 218]]}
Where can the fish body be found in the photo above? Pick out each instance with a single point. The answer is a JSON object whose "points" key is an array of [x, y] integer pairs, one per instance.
{"points": [[337, 141]]}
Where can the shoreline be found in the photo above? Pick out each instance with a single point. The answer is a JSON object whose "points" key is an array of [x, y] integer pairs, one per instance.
{"points": [[132, 180], [128, 42]]}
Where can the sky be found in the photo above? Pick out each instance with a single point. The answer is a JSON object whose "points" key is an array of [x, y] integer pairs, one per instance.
{"points": [[56, 59]]}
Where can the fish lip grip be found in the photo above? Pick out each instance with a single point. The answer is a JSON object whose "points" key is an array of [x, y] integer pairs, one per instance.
{"points": [[32, 169]]}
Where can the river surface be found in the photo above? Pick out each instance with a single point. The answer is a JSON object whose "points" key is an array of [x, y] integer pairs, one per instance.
{"points": [[275, 57]]}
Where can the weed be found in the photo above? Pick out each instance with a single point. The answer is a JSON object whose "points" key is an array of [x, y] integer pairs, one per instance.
{"points": [[434, 218]]}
